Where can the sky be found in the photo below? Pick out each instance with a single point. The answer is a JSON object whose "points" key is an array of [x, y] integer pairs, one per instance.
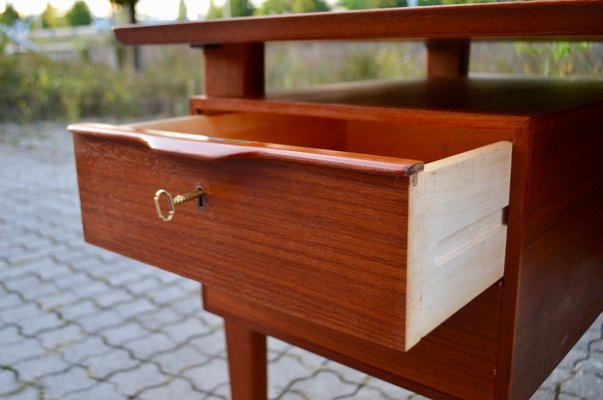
{"points": [[156, 9]]}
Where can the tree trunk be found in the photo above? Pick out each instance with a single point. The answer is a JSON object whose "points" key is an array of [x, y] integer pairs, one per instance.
{"points": [[136, 50]]}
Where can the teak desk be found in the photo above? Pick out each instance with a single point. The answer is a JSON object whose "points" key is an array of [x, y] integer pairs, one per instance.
{"points": [[443, 234]]}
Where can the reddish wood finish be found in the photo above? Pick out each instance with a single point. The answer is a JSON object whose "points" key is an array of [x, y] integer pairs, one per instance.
{"points": [[468, 103], [247, 362], [457, 360], [554, 270], [448, 59], [541, 19], [343, 245], [234, 69], [215, 148]]}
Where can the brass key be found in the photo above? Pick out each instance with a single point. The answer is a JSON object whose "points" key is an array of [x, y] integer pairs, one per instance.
{"points": [[174, 201]]}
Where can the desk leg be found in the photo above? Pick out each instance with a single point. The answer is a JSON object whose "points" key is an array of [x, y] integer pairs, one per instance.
{"points": [[246, 362]]}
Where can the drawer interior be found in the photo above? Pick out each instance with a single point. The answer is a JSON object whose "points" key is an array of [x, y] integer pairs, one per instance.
{"points": [[418, 142]]}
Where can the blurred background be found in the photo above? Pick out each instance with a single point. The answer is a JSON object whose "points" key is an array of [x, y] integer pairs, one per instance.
{"points": [[59, 60]]}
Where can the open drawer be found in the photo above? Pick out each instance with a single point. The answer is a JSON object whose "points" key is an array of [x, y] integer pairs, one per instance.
{"points": [[329, 220]]}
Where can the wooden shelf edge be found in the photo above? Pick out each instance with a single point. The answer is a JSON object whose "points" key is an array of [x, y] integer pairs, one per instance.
{"points": [[555, 19]]}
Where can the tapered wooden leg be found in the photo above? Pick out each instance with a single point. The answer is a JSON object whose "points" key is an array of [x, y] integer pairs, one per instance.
{"points": [[246, 362]]}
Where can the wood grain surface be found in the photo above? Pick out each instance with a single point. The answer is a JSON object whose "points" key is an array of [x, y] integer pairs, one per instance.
{"points": [[247, 361], [323, 244], [457, 234], [491, 103], [576, 19], [448, 58], [234, 70], [554, 273], [456, 361], [329, 152]]}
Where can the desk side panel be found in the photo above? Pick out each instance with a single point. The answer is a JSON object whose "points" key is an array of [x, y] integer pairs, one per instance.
{"points": [[557, 290]]}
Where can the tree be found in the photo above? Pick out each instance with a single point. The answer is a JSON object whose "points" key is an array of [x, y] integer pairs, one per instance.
{"points": [[79, 14], [51, 17], [241, 8], [182, 13], [362, 4], [130, 5], [213, 11], [9, 16], [292, 6]]}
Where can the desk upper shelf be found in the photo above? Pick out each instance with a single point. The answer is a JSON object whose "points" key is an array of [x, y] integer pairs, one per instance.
{"points": [[560, 19]]}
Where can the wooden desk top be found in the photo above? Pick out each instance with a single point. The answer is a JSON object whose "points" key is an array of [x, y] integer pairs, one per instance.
{"points": [[558, 19]]}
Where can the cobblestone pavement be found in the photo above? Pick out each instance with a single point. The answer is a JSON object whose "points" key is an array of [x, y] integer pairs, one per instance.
{"points": [[77, 322]]}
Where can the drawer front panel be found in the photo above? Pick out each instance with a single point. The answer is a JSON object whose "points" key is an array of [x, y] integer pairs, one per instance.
{"points": [[323, 244]]}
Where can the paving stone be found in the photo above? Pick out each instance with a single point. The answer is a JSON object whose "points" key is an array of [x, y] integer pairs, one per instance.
{"points": [[209, 376], [30, 255], [9, 335], [41, 323], [191, 305], [25, 349], [57, 300], [559, 375], [102, 391], [181, 359], [324, 383], [146, 347], [222, 391], [90, 289], [564, 396], [293, 395], [283, 371], [90, 346], [310, 359], [101, 366], [137, 307], [167, 294], [46, 364], [8, 300], [124, 332], [591, 365], [50, 270], [101, 320], [543, 395], [123, 278], [82, 308], [586, 385], [28, 393], [210, 344], [62, 337], [161, 318], [184, 329], [175, 389], [131, 382], [22, 283], [145, 286], [74, 379], [573, 357], [371, 392], [113, 297], [8, 382], [348, 374], [72, 281], [166, 276]]}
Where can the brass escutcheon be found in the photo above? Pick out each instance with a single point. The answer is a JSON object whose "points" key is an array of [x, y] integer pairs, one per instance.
{"points": [[174, 201]]}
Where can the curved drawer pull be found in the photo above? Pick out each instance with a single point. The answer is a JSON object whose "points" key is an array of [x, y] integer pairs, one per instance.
{"points": [[174, 201]]}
